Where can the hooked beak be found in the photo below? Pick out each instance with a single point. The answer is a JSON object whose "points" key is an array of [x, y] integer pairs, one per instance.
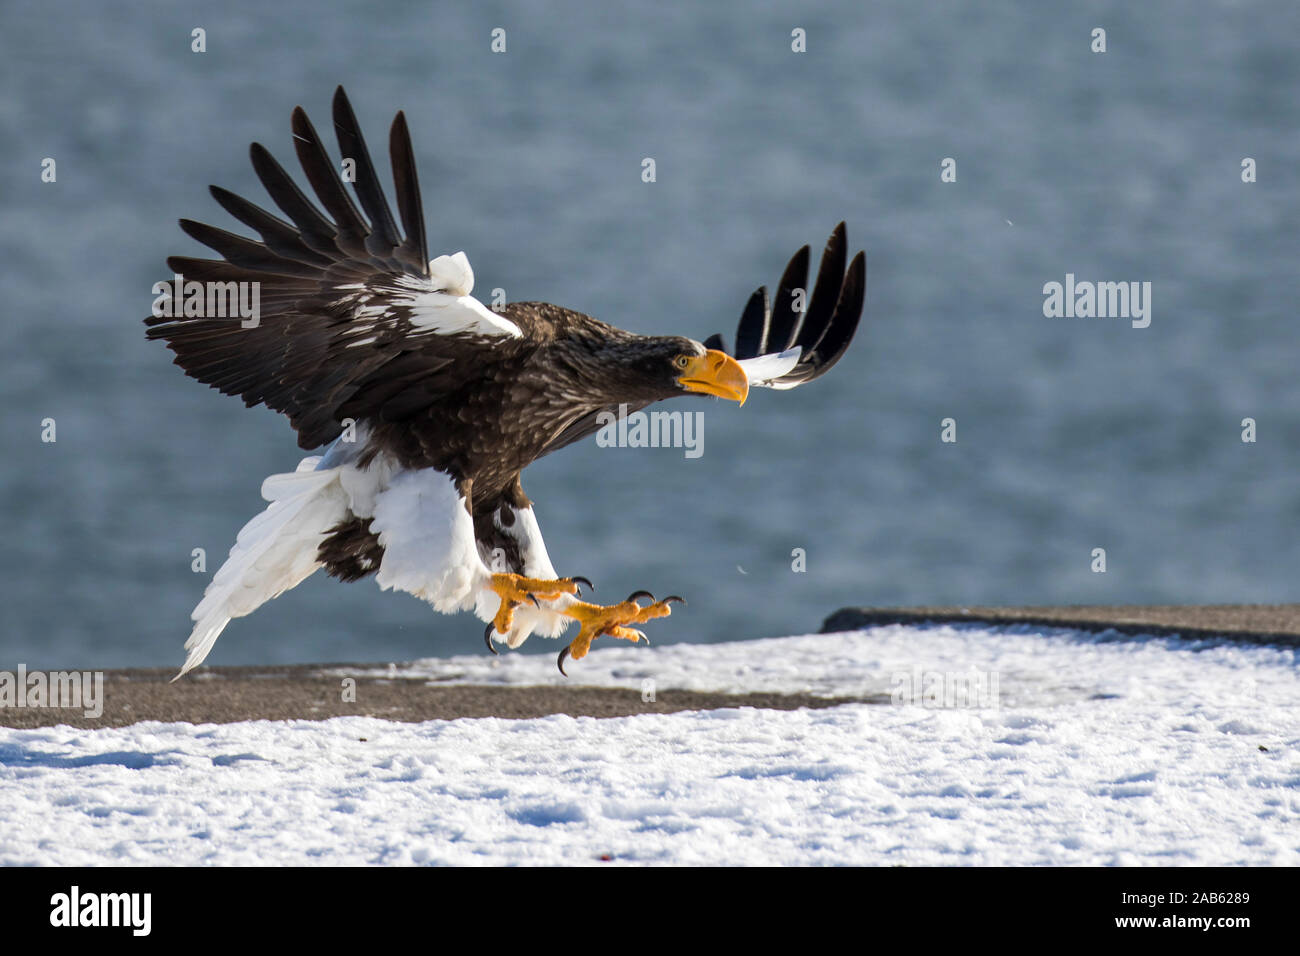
{"points": [[716, 373]]}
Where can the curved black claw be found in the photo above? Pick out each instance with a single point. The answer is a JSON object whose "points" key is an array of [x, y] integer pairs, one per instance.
{"points": [[673, 597], [533, 597], [579, 579], [487, 637], [636, 594], [559, 661]]}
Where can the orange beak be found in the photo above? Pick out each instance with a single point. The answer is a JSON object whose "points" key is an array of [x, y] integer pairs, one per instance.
{"points": [[716, 373]]}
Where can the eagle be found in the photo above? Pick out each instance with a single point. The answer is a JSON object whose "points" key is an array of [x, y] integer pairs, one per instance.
{"points": [[427, 405]]}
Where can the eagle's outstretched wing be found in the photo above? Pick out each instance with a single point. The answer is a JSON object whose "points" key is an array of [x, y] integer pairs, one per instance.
{"points": [[780, 348], [354, 321], [768, 335]]}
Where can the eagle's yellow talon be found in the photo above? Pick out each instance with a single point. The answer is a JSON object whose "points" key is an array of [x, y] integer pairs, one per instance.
{"points": [[515, 589], [614, 620]]}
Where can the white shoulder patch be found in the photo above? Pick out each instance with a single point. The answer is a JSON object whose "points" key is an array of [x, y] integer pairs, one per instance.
{"points": [[450, 309], [452, 274], [447, 314], [440, 304]]}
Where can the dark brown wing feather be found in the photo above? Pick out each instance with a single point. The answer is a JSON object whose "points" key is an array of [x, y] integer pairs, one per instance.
{"points": [[825, 329], [312, 355]]}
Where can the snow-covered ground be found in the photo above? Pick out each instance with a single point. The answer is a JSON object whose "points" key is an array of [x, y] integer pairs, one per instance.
{"points": [[1094, 751]]}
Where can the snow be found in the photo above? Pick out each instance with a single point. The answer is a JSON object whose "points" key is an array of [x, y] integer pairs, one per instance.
{"points": [[1099, 751], [1036, 665]]}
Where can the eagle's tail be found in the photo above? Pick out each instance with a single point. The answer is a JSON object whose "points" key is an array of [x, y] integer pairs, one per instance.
{"points": [[275, 551]]}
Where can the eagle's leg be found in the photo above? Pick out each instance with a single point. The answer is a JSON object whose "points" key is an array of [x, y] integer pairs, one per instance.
{"points": [[515, 589], [613, 619]]}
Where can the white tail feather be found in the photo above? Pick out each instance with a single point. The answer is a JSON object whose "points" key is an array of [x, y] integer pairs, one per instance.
{"points": [[274, 552]]}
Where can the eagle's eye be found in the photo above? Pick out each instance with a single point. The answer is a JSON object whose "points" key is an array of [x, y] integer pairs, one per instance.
{"points": [[682, 361]]}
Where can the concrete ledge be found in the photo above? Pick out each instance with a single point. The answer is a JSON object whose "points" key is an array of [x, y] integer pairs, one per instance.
{"points": [[228, 694], [314, 692], [1252, 623]]}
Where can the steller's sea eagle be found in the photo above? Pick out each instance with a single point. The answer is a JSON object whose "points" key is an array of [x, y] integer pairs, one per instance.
{"points": [[432, 403]]}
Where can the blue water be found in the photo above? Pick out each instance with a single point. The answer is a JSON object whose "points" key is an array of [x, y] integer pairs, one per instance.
{"points": [[1073, 434]]}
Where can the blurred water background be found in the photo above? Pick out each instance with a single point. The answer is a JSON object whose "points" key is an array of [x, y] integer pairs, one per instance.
{"points": [[1073, 434]]}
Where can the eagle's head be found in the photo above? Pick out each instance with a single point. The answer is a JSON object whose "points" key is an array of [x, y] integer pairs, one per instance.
{"points": [[664, 366]]}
